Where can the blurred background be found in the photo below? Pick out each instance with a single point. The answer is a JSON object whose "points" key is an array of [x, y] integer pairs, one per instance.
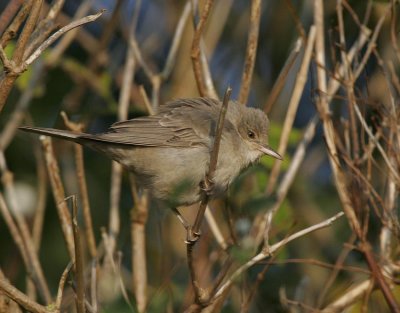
{"points": [[85, 79]]}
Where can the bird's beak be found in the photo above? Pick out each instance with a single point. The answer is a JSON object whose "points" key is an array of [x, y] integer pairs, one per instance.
{"points": [[268, 151]]}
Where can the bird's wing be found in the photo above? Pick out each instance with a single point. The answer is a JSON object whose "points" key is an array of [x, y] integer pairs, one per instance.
{"points": [[181, 123]]}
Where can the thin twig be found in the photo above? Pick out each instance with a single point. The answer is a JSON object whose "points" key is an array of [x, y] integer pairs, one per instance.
{"points": [[251, 51], [79, 266], [196, 54], [138, 235], [123, 109], [377, 272], [59, 33], [93, 286], [279, 83], [349, 297], [139, 212], [59, 194], [193, 233], [35, 265], [393, 31], [61, 285], [324, 112], [378, 145], [14, 231], [334, 82], [338, 174], [113, 263], [170, 62], [287, 181], [115, 195], [146, 100], [336, 270], [298, 89], [213, 161], [349, 82], [12, 29], [64, 43], [372, 43], [212, 223], [7, 82], [22, 105], [8, 13], [21, 298], [44, 28], [26, 32], [269, 251], [83, 191]]}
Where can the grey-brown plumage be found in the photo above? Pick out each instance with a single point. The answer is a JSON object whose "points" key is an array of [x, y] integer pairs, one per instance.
{"points": [[170, 151]]}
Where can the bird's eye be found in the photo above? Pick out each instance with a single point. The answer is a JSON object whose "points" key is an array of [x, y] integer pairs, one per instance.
{"points": [[251, 134]]}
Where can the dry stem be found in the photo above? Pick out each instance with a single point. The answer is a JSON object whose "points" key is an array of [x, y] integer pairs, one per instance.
{"points": [[268, 251], [59, 194], [21, 298], [79, 266], [197, 54], [301, 80], [83, 191], [202, 296], [251, 51]]}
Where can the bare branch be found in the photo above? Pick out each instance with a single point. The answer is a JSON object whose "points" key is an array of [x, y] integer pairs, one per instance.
{"points": [[61, 285], [251, 51], [79, 267], [196, 54], [31, 252], [7, 82], [21, 298], [269, 251], [279, 83], [59, 194], [212, 223], [193, 233], [301, 80], [378, 145], [80, 173], [58, 34], [8, 13]]}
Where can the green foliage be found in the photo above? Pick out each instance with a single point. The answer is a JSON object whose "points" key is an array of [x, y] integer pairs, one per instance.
{"points": [[240, 254], [159, 301], [100, 83], [275, 132], [284, 214]]}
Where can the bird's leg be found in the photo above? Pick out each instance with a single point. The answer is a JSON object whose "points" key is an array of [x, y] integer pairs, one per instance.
{"points": [[181, 218], [191, 236]]}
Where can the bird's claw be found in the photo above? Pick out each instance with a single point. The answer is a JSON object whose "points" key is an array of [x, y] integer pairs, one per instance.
{"points": [[207, 186], [192, 236]]}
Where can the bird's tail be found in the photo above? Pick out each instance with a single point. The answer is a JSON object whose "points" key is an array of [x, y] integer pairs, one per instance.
{"points": [[63, 134]]}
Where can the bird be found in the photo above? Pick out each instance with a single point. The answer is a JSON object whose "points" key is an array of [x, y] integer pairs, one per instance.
{"points": [[169, 152]]}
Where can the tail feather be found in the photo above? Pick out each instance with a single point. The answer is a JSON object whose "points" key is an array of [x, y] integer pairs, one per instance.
{"points": [[63, 134]]}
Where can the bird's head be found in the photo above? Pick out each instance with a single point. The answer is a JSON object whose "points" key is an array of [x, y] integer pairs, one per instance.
{"points": [[253, 128]]}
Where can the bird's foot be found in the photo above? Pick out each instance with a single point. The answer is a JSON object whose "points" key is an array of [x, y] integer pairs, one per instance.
{"points": [[207, 186], [192, 236]]}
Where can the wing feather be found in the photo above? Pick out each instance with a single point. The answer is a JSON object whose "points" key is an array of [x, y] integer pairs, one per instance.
{"points": [[181, 123]]}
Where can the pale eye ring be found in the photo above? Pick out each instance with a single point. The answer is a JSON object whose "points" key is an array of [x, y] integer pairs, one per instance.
{"points": [[251, 134]]}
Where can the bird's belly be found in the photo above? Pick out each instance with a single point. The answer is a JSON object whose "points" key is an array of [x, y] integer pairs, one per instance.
{"points": [[171, 174]]}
